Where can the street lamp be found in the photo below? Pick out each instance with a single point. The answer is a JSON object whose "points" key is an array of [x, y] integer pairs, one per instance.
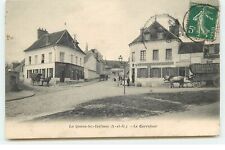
{"points": [[121, 61]]}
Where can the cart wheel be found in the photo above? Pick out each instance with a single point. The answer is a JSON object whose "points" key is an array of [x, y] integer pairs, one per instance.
{"points": [[196, 84]]}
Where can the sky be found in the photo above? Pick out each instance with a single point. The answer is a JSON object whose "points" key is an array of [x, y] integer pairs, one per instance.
{"points": [[107, 25]]}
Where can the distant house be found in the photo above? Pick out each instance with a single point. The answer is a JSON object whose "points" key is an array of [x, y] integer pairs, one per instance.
{"points": [[158, 52], [20, 69], [115, 68], [55, 54], [93, 64]]}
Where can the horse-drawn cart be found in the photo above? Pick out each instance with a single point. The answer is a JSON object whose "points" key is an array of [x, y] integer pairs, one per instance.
{"points": [[103, 77], [38, 78], [205, 73]]}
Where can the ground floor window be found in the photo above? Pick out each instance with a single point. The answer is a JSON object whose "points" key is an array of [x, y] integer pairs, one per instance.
{"points": [[169, 71], [142, 72], [51, 72], [175, 71], [43, 73], [155, 72], [29, 72]]}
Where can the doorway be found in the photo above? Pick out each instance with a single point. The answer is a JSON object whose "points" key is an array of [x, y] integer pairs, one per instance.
{"points": [[133, 75]]}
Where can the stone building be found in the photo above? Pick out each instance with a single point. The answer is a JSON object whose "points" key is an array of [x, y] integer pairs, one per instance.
{"points": [[55, 54], [158, 52]]}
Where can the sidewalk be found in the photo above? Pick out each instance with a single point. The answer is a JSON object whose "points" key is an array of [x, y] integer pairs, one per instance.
{"points": [[11, 96]]}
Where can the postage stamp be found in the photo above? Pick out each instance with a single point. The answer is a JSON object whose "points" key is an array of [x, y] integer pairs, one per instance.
{"points": [[202, 21]]}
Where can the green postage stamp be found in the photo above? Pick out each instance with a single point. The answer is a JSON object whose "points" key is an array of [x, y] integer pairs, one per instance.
{"points": [[202, 21]]}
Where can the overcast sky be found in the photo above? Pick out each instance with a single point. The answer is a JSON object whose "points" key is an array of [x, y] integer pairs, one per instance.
{"points": [[107, 25]]}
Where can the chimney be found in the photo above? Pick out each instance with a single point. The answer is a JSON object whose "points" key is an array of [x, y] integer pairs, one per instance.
{"points": [[75, 39], [41, 32], [86, 48], [175, 28]]}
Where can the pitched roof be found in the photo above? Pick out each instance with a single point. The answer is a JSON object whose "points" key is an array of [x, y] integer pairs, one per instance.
{"points": [[56, 38], [93, 52], [18, 68], [191, 47], [153, 30]]}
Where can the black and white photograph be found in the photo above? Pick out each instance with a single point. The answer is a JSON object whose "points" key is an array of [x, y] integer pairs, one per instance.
{"points": [[112, 68]]}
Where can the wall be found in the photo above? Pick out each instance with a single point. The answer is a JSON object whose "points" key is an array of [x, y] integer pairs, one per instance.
{"points": [[47, 63], [161, 46], [187, 59], [91, 63], [90, 74], [55, 50], [67, 58]]}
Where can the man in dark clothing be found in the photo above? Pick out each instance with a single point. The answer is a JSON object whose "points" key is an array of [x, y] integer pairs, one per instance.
{"points": [[128, 81]]}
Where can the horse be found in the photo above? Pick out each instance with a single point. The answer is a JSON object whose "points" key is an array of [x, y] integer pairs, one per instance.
{"points": [[35, 77], [47, 80], [175, 79]]}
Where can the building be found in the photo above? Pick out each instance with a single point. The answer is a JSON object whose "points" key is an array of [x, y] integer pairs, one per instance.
{"points": [[11, 79], [20, 69], [115, 68], [158, 52], [94, 65], [55, 54]]}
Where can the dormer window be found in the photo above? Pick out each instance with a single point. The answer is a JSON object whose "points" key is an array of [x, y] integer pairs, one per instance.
{"points": [[160, 35]]}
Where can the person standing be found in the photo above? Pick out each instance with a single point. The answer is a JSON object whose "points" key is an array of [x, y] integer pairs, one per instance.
{"points": [[128, 81]]}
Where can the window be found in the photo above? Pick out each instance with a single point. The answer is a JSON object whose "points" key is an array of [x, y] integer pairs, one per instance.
{"points": [[62, 55], [155, 73], [43, 58], [36, 59], [50, 72], [133, 56], [43, 72], [142, 72], [211, 50], [29, 60], [147, 36], [143, 55], [168, 54], [80, 61], [160, 35], [169, 71], [29, 72], [76, 60], [50, 57], [155, 55]]}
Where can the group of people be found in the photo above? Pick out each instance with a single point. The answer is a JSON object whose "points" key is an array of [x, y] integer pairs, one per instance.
{"points": [[120, 80]]}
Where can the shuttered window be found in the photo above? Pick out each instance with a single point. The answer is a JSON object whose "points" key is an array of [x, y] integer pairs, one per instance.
{"points": [[168, 54], [143, 55], [155, 55]]}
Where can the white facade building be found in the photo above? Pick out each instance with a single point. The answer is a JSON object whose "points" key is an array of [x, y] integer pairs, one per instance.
{"points": [[55, 54], [158, 52], [93, 64]]}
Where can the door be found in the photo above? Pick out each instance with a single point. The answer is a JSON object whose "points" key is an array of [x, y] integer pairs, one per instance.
{"points": [[181, 71], [133, 75], [62, 76]]}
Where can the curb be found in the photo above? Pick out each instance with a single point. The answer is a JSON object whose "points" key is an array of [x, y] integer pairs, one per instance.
{"points": [[19, 98]]}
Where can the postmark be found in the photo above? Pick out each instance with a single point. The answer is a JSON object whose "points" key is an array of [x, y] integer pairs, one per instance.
{"points": [[202, 22]]}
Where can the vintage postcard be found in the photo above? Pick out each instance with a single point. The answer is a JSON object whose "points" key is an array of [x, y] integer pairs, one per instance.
{"points": [[112, 68]]}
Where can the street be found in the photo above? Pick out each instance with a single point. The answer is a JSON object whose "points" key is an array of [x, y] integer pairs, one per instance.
{"points": [[104, 96]]}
